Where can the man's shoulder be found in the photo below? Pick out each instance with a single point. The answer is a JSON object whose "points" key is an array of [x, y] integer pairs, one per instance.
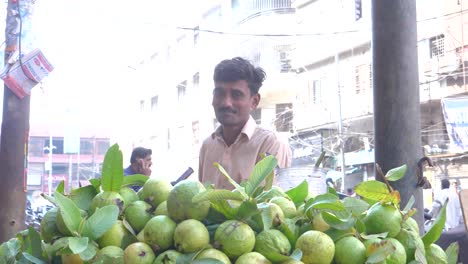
{"points": [[265, 134]]}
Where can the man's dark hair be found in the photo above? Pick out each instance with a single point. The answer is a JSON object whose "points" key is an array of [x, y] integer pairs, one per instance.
{"points": [[140, 153], [237, 69], [445, 184]]}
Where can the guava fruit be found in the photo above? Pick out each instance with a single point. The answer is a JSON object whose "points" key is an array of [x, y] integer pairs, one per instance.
{"points": [[139, 253], [155, 191], [180, 205], [106, 198], [382, 218], [117, 236], [410, 223], [234, 238], [317, 247], [141, 236], [435, 255], [410, 241], [398, 256], [350, 250], [272, 243], [159, 233], [128, 195], [138, 214], [110, 254], [292, 261], [161, 209], [287, 206], [274, 211], [318, 223], [190, 236], [252, 258], [212, 253], [71, 259], [48, 228], [167, 257]]}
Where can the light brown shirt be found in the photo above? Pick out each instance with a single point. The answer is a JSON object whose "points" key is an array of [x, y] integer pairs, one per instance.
{"points": [[240, 158]]}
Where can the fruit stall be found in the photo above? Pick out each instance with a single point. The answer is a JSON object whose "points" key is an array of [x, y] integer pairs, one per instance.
{"points": [[256, 222]]}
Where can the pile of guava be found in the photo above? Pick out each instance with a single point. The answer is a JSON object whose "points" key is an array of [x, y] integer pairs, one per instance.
{"points": [[255, 223]]}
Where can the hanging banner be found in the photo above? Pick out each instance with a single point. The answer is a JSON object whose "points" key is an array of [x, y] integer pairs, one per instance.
{"points": [[456, 121]]}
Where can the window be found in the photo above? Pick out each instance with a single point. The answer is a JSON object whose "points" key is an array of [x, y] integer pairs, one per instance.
{"points": [[59, 168], [102, 147], [36, 147], [181, 89], [154, 103], [86, 147], [257, 115], [437, 46], [284, 117], [315, 92], [363, 78], [57, 146]]}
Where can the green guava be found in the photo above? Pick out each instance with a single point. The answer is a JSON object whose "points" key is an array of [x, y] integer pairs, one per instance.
{"points": [[292, 261], [212, 253], [128, 195], [190, 236], [252, 258], [106, 198], [274, 212], [71, 259], [410, 241], [167, 257], [155, 191], [139, 253], [234, 238], [110, 254], [318, 223], [117, 236], [398, 256], [180, 205], [287, 206], [317, 247], [410, 223], [49, 230], [350, 250], [272, 243], [435, 255], [138, 214], [159, 233], [161, 209], [382, 218]]}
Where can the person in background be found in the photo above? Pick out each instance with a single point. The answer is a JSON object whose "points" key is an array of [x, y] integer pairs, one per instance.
{"points": [[238, 143], [453, 211], [140, 163]]}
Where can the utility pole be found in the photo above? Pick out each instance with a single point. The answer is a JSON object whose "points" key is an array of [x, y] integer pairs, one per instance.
{"points": [[14, 133], [396, 95]]}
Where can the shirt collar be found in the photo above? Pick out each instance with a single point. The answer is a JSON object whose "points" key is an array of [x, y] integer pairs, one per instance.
{"points": [[248, 129]]}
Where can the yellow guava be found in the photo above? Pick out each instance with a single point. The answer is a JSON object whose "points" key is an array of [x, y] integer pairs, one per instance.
{"points": [[180, 205], [252, 258], [317, 247], [190, 236], [234, 238]]}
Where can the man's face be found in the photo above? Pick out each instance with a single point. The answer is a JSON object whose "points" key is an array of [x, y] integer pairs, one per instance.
{"points": [[233, 102]]}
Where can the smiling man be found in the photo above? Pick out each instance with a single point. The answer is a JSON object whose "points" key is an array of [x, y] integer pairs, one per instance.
{"points": [[238, 142]]}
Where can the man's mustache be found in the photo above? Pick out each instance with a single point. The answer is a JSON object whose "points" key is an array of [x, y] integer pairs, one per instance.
{"points": [[227, 110]]}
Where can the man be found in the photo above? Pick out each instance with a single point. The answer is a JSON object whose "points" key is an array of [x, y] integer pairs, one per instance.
{"points": [[238, 142], [140, 163], [453, 211]]}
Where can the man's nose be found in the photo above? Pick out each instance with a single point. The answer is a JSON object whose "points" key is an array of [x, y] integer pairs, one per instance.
{"points": [[226, 101]]}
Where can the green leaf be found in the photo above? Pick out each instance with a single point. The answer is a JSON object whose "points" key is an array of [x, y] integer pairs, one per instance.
{"points": [[266, 215], [112, 169], [239, 188], [290, 230], [452, 253], [335, 222], [88, 253], [9, 250], [355, 206], [215, 195], [299, 193], [247, 209], [267, 195], [33, 259], [360, 226], [419, 254], [78, 244], [379, 251], [134, 180], [49, 198], [409, 205], [396, 173], [100, 221], [69, 211], [35, 243], [61, 187], [374, 190], [96, 183], [83, 196], [337, 234], [223, 207], [260, 171], [332, 191], [436, 229], [326, 201]]}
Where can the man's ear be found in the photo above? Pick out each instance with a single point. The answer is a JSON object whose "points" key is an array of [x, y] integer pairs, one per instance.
{"points": [[255, 101]]}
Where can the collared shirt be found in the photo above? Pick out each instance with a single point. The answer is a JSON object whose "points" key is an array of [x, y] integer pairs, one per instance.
{"points": [[129, 171], [453, 211], [240, 158]]}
